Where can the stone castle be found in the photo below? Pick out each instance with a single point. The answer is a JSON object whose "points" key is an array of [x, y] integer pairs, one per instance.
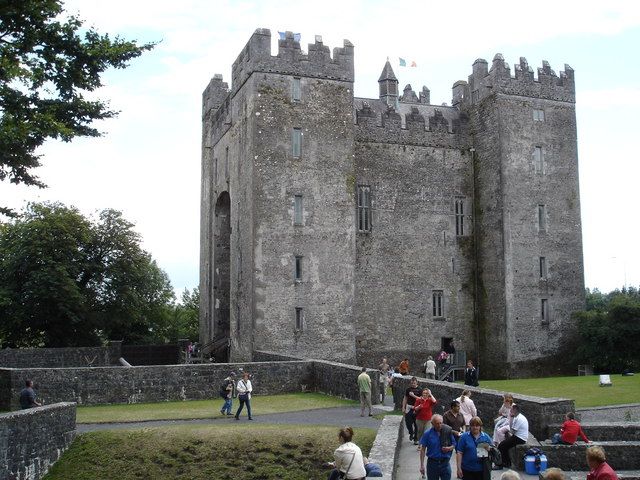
{"points": [[348, 228]]}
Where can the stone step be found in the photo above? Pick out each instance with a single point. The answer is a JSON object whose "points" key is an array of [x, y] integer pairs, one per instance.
{"points": [[622, 475], [621, 455], [606, 431]]}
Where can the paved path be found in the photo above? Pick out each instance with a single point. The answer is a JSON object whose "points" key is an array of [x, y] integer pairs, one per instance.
{"points": [[338, 416]]}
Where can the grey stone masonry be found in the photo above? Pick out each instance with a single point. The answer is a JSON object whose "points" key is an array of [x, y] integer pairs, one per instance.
{"points": [[343, 228], [605, 431], [384, 450], [540, 412], [32, 440], [621, 455], [61, 357], [105, 385]]}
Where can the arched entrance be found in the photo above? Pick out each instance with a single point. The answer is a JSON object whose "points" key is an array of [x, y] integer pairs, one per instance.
{"points": [[221, 277]]}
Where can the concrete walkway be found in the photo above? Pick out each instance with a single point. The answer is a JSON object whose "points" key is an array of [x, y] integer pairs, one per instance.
{"points": [[338, 416]]}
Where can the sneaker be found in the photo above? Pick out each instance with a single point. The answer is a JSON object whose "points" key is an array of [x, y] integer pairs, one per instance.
{"points": [[415, 442], [371, 415], [237, 418], [250, 418], [229, 414], [221, 412]]}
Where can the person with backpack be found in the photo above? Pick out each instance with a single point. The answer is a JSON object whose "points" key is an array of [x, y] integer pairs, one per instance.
{"points": [[227, 390]]}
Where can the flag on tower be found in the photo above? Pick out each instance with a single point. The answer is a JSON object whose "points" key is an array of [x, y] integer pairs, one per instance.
{"points": [[403, 62]]}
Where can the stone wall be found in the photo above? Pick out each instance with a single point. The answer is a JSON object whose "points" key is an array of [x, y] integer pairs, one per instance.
{"points": [[61, 357], [152, 354], [540, 412], [32, 440], [103, 385]]}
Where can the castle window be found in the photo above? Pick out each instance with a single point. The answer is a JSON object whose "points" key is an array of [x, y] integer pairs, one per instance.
{"points": [[543, 268], [296, 91], [459, 213], [538, 160], [437, 297], [296, 142], [298, 271], [538, 115], [542, 218], [215, 171], [364, 208], [544, 310], [226, 164], [297, 210], [299, 319]]}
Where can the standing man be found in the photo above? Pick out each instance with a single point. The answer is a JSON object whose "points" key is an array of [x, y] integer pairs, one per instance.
{"points": [[471, 375], [430, 368], [454, 418], [385, 369], [438, 443], [28, 396], [364, 386], [519, 435], [227, 391], [411, 394], [244, 389]]}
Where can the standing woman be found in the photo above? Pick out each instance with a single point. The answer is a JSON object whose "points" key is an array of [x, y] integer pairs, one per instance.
{"points": [[467, 407], [470, 466], [502, 424], [244, 390], [423, 409], [348, 462]]}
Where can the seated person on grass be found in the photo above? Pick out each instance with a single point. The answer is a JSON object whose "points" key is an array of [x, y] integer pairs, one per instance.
{"points": [[569, 431]]}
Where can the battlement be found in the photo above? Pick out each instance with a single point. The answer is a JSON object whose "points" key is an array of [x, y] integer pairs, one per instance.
{"points": [[485, 81], [413, 124], [319, 62]]}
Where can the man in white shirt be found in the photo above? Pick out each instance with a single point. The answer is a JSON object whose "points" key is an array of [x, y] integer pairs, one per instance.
{"points": [[519, 435], [430, 368]]}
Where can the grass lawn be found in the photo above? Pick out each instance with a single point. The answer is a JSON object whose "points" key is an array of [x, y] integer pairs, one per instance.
{"points": [[584, 390], [261, 405], [248, 452]]}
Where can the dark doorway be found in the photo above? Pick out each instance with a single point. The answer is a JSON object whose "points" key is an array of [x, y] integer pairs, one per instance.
{"points": [[221, 277]]}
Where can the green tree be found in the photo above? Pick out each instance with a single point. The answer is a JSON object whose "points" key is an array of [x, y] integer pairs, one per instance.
{"points": [[609, 334], [66, 280], [47, 63]]}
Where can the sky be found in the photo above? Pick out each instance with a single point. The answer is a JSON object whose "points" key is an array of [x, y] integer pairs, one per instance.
{"points": [[147, 163]]}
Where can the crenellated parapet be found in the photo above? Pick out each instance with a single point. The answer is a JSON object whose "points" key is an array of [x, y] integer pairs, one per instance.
{"points": [[485, 81], [319, 62], [410, 124]]}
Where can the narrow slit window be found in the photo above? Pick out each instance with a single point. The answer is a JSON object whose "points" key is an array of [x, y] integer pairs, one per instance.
{"points": [[538, 115], [299, 319], [226, 164], [542, 218], [297, 210], [364, 208], [538, 160], [544, 310], [296, 90], [296, 142], [543, 267], [459, 213], [215, 171], [298, 270], [438, 303]]}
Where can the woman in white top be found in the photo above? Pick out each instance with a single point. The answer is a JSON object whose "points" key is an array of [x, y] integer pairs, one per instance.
{"points": [[502, 424], [348, 458], [467, 407], [244, 390]]}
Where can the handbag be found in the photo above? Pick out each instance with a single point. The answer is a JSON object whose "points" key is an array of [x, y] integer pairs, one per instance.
{"points": [[244, 396]]}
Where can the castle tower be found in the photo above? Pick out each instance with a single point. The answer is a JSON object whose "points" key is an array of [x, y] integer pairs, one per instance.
{"points": [[277, 213], [527, 214], [388, 85]]}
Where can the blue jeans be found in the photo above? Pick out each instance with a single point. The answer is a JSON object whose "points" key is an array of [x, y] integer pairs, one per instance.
{"points": [[228, 404], [438, 469], [242, 403]]}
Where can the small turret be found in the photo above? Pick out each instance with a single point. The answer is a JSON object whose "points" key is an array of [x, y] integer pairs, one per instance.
{"points": [[388, 85]]}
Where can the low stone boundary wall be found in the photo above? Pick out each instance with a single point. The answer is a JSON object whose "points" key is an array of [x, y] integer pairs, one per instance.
{"points": [[32, 440], [385, 448], [540, 412], [103, 385], [620, 455], [604, 432], [332, 378]]}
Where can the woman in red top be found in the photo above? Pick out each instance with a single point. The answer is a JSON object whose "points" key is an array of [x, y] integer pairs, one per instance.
{"points": [[599, 469], [423, 409], [569, 431]]}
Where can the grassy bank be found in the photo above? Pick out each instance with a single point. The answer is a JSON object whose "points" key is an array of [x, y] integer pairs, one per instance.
{"points": [[584, 390], [261, 405], [284, 452]]}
